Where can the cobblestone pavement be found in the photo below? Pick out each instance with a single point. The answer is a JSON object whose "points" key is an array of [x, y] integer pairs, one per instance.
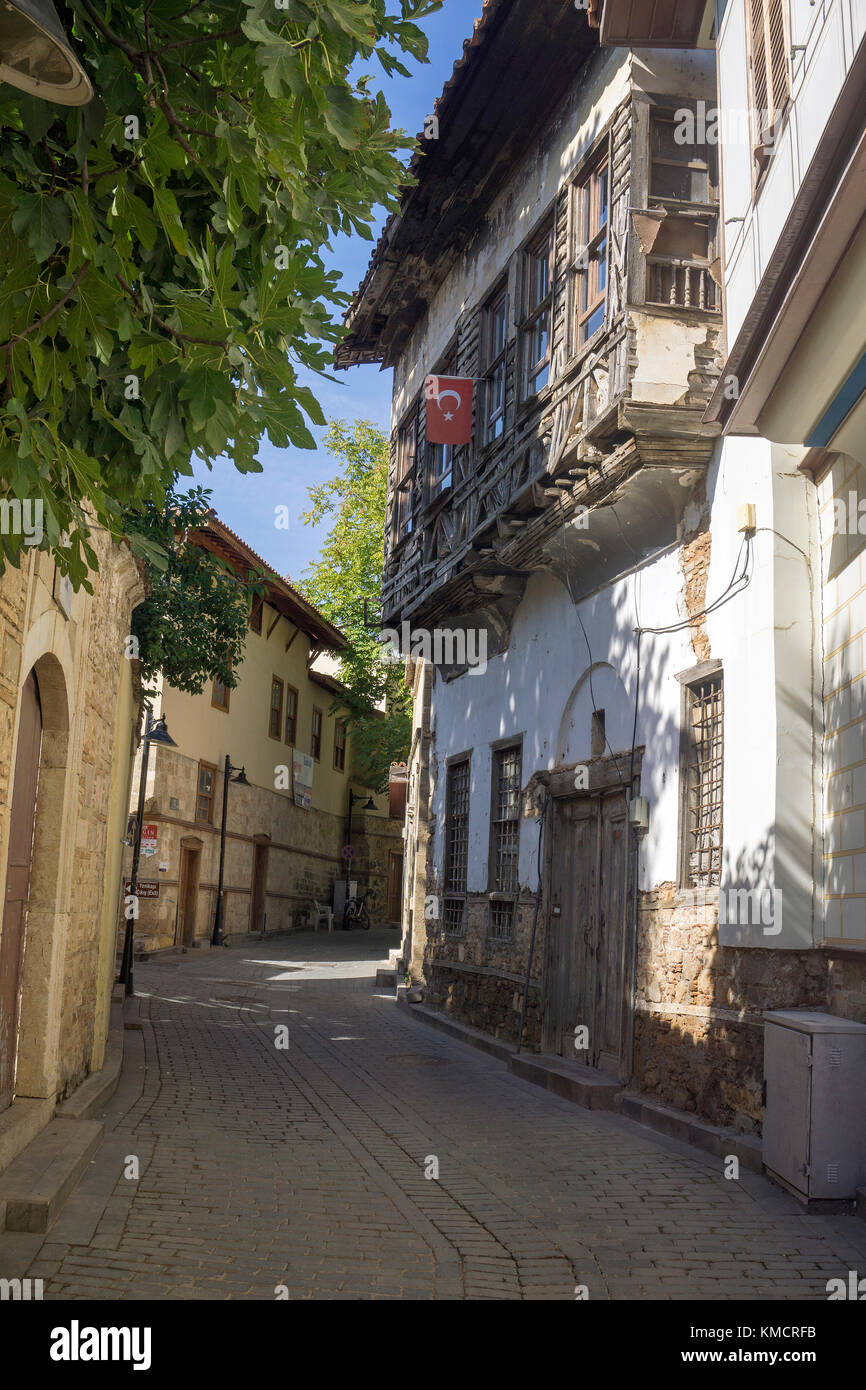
{"points": [[305, 1168]]}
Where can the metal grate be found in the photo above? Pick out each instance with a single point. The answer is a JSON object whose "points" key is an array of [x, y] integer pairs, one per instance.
{"points": [[501, 920], [704, 783], [506, 820], [505, 844], [456, 846]]}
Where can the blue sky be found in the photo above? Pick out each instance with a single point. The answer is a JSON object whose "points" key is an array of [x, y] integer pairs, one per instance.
{"points": [[246, 502]]}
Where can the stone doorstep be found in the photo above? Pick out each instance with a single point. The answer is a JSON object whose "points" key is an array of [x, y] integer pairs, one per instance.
{"points": [[386, 975], [578, 1083], [37, 1183]]}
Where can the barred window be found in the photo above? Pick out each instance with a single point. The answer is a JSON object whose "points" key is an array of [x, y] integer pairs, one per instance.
{"points": [[456, 846], [505, 841], [702, 783]]}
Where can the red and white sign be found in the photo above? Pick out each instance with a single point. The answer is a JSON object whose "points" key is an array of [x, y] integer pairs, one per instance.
{"points": [[449, 409], [149, 836]]}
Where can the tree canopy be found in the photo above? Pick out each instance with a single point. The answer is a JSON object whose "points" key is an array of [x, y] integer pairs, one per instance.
{"points": [[346, 582], [163, 275]]}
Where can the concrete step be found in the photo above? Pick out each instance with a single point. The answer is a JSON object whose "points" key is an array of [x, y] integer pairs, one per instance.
{"points": [[575, 1082], [677, 1124], [386, 975], [36, 1184]]}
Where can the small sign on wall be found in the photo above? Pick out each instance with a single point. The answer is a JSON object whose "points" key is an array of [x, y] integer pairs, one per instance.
{"points": [[163, 866], [149, 835], [147, 888], [302, 776]]}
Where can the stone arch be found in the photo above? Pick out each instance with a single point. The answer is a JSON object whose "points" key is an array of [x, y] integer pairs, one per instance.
{"points": [[48, 898], [573, 735]]}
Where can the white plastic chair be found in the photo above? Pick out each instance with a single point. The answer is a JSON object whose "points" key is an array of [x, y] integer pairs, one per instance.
{"points": [[318, 915]]}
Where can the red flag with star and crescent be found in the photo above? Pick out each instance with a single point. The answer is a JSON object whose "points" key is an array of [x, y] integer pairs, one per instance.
{"points": [[449, 409]]}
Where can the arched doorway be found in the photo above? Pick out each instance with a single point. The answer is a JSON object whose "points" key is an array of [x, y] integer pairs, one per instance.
{"points": [[21, 827]]}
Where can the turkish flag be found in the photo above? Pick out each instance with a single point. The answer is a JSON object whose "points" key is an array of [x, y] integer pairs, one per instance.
{"points": [[449, 409]]}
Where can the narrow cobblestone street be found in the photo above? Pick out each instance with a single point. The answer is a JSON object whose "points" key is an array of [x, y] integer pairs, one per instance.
{"points": [[305, 1167]]}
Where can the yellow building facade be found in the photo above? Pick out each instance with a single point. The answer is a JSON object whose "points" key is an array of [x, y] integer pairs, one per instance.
{"points": [[287, 824]]}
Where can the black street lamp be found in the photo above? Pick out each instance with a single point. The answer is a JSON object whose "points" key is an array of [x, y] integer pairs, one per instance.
{"points": [[154, 732], [36, 56], [241, 779], [370, 806]]}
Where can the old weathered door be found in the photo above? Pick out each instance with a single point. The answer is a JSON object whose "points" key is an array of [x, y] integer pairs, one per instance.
{"points": [[260, 884], [22, 818], [187, 895], [588, 929], [395, 886]]}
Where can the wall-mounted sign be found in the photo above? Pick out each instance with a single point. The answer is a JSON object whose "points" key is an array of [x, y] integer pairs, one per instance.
{"points": [[302, 778], [163, 866], [174, 803], [148, 838], [147, 888]]}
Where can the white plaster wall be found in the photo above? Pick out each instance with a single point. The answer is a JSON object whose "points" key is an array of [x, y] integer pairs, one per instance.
{"points": [[831, 32], [539, 688]]}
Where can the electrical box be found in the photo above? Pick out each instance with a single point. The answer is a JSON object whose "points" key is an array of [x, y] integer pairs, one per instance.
{"points": [[814, 1139], [747, 518]]}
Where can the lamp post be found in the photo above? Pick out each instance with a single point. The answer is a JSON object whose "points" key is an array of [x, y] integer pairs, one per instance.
{"points": [[36, 56], [370, 806], [241, 779], [154, 732]]}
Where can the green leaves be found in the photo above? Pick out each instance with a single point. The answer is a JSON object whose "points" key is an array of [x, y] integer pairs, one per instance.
{"points": [[43, 221], [162, 271], [345, 583]]}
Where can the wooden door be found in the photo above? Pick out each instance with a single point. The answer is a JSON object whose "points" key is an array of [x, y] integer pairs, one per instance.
{"points": [[259, 889], [572, 868], [588, 929], [187, 897], [21, 825], [395, 886]]}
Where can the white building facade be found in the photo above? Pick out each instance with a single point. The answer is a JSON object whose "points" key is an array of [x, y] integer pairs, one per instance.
{"points": [[646, 589]]}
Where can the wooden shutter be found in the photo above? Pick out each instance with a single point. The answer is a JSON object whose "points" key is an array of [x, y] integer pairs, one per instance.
{"points": [[768, 40]]}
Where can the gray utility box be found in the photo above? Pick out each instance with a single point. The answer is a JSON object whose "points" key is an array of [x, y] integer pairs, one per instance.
{"points": [[815, 1103]]}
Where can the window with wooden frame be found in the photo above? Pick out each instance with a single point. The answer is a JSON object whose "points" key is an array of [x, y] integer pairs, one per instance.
{"points": [[456, 847], [682, 188], [256, 610], [220, 695], [495, 339], [275, 713], [440, 465], [205, 789], [316, 735], [702, 765], [504, 841], [407, 458], [536, 326], [592, 194], [340, 745], [291, 715], [767, 27]]}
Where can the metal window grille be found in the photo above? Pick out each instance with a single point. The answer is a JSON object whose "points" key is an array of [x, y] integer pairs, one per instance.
{"points": [[505, 841], [704, 767], [456, 846]]}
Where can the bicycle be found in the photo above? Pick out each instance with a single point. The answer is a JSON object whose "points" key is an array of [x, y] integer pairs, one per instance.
{"points": [[356, 914]]}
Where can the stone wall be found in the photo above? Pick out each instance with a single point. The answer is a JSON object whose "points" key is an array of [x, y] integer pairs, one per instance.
{"points": [[699, 1008], [480, 981], [75, 645]]}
